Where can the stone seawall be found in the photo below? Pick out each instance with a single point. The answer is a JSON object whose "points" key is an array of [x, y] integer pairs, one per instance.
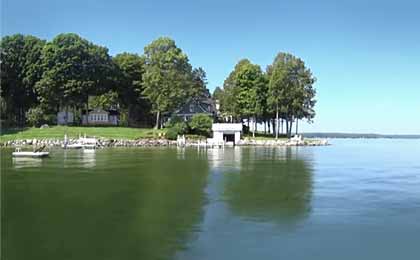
{"points": [[291, 142], [102, 143]]}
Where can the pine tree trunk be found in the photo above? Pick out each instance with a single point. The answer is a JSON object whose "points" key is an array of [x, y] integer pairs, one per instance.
{"points": [[87, 112], [255, 127], [157, 120], [265, 126], [281, 130], [289, 131], [67, 115], [277, 121]]}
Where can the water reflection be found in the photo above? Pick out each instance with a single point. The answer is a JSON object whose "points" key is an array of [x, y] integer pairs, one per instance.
{"points": [[229, 158], [272, 185], [89, 158], [130, 204], [22, 162]]}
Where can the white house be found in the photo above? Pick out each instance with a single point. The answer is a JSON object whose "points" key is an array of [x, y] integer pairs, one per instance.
{"points": [[227, 132], [64, 118], [100, 117]]}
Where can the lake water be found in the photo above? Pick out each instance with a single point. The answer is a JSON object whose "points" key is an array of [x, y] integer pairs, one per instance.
{"points": [[356, 199]]}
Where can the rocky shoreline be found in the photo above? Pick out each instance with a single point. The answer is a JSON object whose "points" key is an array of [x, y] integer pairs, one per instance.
{"points": [[103, 143], [290, 142]]}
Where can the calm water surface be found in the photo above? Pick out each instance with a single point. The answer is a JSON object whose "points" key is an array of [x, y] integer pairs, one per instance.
{"points": [[357, 199]]}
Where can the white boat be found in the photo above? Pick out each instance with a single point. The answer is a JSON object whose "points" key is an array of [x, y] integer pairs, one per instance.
{"points": [[89, 148], [82, 142], [19, 153], [72, 146]]}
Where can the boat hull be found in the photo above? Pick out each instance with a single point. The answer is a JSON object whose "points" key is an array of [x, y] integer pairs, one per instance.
{"points": [[30, 154], [73, 146]]}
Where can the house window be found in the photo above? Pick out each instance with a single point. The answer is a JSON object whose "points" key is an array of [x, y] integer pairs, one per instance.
{"points": [[191, 107]]}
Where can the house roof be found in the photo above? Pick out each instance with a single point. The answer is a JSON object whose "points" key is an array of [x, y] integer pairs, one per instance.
{"points": [[195, 106]]}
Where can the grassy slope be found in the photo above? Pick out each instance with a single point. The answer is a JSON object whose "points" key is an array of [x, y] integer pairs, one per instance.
{"points": [[57, 132]]}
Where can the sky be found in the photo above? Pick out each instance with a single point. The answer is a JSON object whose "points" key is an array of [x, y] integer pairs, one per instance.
{"points": [[365, 54]]}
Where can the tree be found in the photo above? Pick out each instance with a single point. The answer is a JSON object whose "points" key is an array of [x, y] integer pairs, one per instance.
{"points": [[217, 93], [201, 124], [19, 71], [130, 87], [167, 78], [244, 92], [291, 92], [251, 84], [37, 116], [73, 69], [229, 105], [199, 83], [104, 101]]}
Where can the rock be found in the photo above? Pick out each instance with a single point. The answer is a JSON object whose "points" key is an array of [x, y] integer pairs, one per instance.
{"points": [[45, 126]]}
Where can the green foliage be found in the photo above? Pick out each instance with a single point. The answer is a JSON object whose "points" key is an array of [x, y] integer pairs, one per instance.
{"points": [[199, 83], [291, 91], [201, 124], [245, 90], [171, 134], [217, 93], [130, 70], [37, 116], [66, 71], [167, 77], [105, 101], [73, 68], [286, 89], [20, 70], [176, 126], [123, 120]]}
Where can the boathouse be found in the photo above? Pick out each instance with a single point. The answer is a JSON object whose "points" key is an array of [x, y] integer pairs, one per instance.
{"points": [[227, 132]]}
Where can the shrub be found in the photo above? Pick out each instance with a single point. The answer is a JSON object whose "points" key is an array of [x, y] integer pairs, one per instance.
{"points": [[171, 134], [37, 116], [174, 120], [176, 126], [201, 124], [175, 129]]}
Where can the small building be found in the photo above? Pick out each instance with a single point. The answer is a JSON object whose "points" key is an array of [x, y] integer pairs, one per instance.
{"points": [[65, 117], [227, 132], [100, 117]]}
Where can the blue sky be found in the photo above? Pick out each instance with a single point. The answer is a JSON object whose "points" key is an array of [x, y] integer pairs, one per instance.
{"points": [[365, 54]]}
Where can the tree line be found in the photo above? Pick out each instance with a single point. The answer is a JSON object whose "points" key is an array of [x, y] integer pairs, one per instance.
{"points": [[40, 78], [278, 97]]}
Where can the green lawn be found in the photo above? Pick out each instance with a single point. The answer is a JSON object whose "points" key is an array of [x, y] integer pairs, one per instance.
{"points": [[74, 131]]}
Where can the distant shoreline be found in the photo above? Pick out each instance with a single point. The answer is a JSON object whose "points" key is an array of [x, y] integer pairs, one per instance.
{"points": [[359, 136]]}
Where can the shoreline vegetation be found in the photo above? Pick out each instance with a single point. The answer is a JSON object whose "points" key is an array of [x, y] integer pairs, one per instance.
{"points": [[62, 80], [126, 137]]}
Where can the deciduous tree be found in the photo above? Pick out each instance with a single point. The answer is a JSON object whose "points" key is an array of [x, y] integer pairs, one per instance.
{"points": [[73, 69], [167, 77], [20, 71]]}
